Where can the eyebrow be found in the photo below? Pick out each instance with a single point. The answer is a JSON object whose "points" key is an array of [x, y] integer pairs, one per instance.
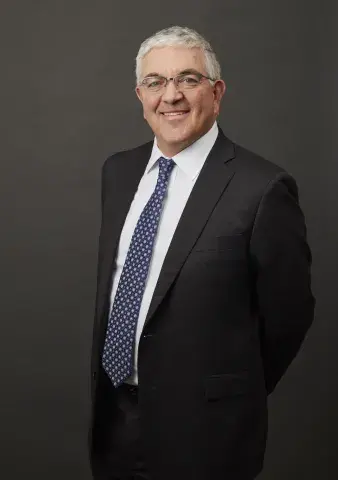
{"points": [[183, 72]]}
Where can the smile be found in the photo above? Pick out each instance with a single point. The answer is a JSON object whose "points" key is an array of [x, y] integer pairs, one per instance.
{"points": [[174, 114]]}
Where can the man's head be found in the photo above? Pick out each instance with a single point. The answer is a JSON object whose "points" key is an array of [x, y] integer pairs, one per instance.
{"points": [[181, 110]]}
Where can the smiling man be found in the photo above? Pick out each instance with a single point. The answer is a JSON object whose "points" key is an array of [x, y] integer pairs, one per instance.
{"points": [[203, 293]]}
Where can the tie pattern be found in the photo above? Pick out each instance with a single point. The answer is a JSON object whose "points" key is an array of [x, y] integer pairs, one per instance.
{"points": [[118, 350]]}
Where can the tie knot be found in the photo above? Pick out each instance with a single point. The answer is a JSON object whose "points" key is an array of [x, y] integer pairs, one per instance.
{"points": [[166, 165]]}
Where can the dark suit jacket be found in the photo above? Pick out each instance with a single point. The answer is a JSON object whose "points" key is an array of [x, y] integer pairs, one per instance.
{"points": [[229, 313]]}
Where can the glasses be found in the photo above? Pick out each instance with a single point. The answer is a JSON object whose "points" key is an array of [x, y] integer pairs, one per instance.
{"points": [[182, 81]]}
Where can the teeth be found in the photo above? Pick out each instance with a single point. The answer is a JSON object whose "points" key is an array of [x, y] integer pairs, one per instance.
{"points": [[174, 113]]}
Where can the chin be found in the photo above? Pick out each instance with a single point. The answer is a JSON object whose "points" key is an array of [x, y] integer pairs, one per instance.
{"points": [[176, 140], [177, 135]]}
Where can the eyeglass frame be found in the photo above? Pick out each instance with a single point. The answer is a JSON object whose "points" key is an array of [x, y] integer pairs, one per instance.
{"points": [[167, 79]]}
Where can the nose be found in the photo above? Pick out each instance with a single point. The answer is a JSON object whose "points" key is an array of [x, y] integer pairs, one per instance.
{"points": [[171, 94]]}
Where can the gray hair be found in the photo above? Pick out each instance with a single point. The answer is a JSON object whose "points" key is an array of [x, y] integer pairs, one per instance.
{"points": [[182, 36]]}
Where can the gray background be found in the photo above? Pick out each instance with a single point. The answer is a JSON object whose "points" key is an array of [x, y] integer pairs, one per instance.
{"points": [[67, 102]]}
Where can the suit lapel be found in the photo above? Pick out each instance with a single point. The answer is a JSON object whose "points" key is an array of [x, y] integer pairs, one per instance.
{"points": [[214, 177], [120, 184], [123, 183]]}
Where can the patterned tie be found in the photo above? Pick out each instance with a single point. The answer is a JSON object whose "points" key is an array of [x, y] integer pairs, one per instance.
{"points": [[118, 350]]}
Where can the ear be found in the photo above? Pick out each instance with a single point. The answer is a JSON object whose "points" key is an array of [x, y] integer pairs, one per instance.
{"points": [[219, 90], [139, 92]]}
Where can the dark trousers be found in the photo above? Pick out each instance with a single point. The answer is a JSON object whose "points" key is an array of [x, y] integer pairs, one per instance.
{"points": [[121, 449], [122, 457]]}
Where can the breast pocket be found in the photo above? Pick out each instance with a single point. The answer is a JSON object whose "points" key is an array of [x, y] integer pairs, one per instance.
{"points": [[231, 242], [226, 385], [220, 243]]}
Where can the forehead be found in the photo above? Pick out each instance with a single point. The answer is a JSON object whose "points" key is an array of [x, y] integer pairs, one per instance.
{"points": [[169, 61]]}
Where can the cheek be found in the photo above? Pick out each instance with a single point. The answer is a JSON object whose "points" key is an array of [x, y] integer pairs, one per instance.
{"points": [[149, 107], [203, 104]]}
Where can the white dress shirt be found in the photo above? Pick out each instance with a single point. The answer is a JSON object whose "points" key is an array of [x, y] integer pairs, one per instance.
{"points": [[188, 164]]}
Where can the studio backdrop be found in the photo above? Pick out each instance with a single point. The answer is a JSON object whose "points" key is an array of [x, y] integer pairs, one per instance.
{"points": [[67, 102]]}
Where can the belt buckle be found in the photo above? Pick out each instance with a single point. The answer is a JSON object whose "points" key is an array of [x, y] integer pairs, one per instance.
{"points": [[133, 389]]}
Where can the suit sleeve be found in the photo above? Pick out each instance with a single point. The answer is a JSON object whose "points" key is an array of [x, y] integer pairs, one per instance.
{"points": [[94, 354], [282, 261]]}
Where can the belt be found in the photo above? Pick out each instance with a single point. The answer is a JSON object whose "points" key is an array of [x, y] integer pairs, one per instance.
{"points": [[127, 387]]}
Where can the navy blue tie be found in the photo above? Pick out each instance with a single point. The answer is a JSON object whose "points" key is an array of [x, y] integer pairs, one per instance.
{"points": [[118, 350]]}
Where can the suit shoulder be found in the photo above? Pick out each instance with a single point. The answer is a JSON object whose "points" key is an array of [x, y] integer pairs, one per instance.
{"points": [[256, 164], [125, 155], [257, 170]]}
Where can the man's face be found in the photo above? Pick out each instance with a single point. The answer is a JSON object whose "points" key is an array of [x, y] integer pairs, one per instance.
{"points": [[196, 108]]}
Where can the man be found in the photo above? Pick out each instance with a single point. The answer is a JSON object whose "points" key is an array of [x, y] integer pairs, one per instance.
{"points": [[203, 295]]}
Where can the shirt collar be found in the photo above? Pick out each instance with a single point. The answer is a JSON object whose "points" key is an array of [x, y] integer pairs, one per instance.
{"points": [[192, 158]]}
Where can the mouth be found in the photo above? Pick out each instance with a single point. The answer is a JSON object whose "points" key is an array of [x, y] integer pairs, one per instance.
{"points": [[174, 115]]}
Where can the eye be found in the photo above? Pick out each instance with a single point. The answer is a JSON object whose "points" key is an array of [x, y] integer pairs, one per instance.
{"points": [[153, 82], [190, 80]]}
